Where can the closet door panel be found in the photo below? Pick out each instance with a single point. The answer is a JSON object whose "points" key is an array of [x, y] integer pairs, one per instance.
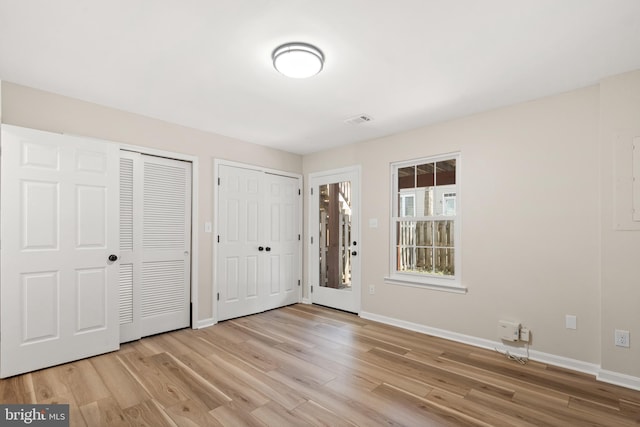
{"points": [[282, 264], [239, 268], [166, 245]]}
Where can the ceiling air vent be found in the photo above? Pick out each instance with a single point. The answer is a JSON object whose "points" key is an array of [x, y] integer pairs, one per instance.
{"points": [[359, 119]]}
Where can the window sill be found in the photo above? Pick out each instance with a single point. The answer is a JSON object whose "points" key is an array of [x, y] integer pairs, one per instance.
{"points": [[426, 284]]}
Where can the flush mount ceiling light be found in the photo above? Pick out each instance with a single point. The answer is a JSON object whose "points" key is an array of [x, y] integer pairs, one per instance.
{"points": [[298, 60]]}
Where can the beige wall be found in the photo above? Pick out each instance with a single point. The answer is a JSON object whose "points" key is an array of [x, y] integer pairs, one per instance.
{"points": [[530, 220], [620, 250], [36, 109]]}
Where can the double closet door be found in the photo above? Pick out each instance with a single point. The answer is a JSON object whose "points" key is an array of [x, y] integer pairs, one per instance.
{"points": [[155, 245], [258, 243]]}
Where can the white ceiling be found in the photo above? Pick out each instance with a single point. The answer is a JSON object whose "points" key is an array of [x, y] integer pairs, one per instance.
{"points": [[206, 64]]}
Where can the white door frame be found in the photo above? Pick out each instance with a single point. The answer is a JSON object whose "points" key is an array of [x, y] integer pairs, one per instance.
{"points": [[216, 165], [313, 216], [195, 323]]}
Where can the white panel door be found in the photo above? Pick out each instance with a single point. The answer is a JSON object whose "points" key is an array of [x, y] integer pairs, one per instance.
{"points": [[258, 251], [281, 265], [59, 225], [240, 235]]}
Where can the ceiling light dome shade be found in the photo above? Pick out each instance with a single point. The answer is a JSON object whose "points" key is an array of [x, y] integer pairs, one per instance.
{"points": [[298, 60]]}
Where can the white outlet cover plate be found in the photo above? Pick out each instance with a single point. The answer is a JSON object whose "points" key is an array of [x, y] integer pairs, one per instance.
{"points": [[622, 338]]}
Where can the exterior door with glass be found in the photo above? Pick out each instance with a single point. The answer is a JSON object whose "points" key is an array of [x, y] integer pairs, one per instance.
{"points": [[334, 255]]}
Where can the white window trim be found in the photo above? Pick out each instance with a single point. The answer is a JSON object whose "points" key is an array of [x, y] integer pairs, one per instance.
{"points": [[425, 281]]}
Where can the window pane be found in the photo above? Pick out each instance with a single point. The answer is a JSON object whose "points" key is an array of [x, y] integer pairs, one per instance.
{"points": [[425, 175], [406, 231], [424, 260], [406, 260], [407, 204], [407, 177], [444, 233], [444, 263], [424, 233], [446, 172], [449, 203]]}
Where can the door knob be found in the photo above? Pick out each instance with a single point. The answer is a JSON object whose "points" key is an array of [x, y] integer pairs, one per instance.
{"points": [[113, 257], [268, 249], [260, 248], [354, 253]]}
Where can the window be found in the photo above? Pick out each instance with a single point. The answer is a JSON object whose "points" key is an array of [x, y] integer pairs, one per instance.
{"points": [[425, 243]]}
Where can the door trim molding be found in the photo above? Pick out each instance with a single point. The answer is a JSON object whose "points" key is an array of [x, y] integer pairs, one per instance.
{"points": [[195, 253], [214, 255]]}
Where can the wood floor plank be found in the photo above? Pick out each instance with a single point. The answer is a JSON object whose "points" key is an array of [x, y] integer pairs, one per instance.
{"points": [[273, 414], [246, 397], [231, 415], [408, 412], [255, 378], [123, 387], [75, 415], [424, 407], [150, 377], [148, 413], [104, 412], [192, 384], [191, 413], [508, 406], [310, 365], [18, 389], [350, 408], [317, 415], [456, 406], [85, 383]]}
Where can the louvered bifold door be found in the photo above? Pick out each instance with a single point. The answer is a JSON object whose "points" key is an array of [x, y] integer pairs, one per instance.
{"points": [[130, 244], [166, 245]]}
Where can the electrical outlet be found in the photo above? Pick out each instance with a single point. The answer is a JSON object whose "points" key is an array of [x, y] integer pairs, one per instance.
{"points": [[372, 289], [622, 338]]}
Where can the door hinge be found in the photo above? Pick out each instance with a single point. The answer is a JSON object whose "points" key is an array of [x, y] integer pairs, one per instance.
{"points": [[299, 192], [312, 240], [312, 289], [218, 238], [218, 296], [298, 237], [298, 282], [218, 181], [312, 191]]}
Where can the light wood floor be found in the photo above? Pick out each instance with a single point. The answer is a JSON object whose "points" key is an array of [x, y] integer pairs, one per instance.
{"points": [[307, 365]]}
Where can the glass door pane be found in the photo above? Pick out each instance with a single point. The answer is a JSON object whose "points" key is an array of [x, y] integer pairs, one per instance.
{"points": [[335, 235]]}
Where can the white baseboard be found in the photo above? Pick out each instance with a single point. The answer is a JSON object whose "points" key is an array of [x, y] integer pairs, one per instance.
{"points": [[610, 377], [616, 378], [205, 323], [306, 301]]}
